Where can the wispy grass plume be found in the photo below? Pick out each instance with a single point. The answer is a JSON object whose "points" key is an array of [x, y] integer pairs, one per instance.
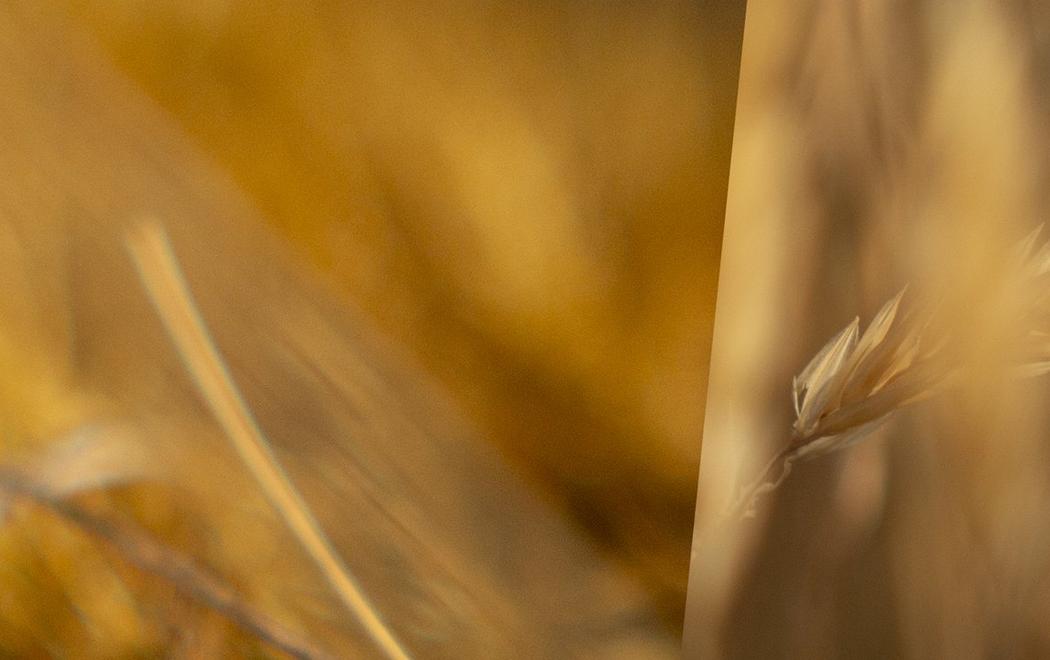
{"points": [[858, 381]]}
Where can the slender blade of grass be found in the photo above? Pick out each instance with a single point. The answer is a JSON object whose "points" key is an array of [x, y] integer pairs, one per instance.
{"points": [[165, 284]]}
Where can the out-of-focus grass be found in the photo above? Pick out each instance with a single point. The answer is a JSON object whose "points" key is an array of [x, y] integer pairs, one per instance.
{"points": [[880, 144], [528, 197]]}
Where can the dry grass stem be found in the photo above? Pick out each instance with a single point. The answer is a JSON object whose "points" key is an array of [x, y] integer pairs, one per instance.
{"points": [[170, 295], [141, 550]]}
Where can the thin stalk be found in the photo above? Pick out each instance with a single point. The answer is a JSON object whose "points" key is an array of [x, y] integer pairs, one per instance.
{"points": [[744, 505], [164, 282]]}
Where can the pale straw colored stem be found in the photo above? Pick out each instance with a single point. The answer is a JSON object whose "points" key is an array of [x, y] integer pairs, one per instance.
{"points": [[744, 505], [170, 295]]}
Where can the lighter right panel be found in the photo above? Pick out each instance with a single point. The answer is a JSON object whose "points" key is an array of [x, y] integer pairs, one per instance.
{"points": [[875, 461]]}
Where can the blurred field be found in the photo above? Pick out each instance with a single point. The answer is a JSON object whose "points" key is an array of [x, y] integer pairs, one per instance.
{"points": [[877, 145], [526, 201]]}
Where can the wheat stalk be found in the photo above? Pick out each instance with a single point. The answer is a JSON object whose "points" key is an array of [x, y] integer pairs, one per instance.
{"points": [[857, 382], [163, 280]]}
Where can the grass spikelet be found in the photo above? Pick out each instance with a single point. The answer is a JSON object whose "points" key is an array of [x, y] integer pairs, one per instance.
{"points": [[855, 383]]}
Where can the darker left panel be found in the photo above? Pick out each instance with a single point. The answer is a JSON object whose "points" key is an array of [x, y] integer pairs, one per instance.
{"points": [[356, 329]]}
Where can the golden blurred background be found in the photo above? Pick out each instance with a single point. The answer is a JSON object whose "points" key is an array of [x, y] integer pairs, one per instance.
{"points": [[527, 197], [526, 200], [878, 145]]}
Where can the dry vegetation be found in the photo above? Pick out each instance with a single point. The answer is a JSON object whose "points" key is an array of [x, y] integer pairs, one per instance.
{"points": [[527, 197], [525, 201], [880, 145]]}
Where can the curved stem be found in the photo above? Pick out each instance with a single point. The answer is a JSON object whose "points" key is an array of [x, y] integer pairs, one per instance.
{"points": [[170, 295]]}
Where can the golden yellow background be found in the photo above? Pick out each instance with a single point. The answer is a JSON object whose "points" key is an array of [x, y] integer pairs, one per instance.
{"points": [[528, 199]]}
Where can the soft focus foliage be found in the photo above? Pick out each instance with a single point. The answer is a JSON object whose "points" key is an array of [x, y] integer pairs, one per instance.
{"points": [[881, 144], [527, 196], [527, 199]]}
